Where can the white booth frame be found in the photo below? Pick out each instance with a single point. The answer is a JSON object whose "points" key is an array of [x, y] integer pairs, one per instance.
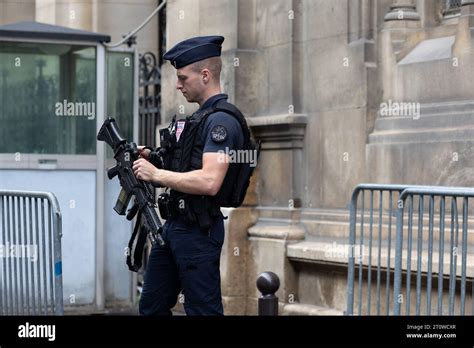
{"points": [[97, 162]]}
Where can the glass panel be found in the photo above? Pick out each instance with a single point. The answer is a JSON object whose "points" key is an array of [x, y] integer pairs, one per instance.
{"points": [[120, 82], [47, 98]]}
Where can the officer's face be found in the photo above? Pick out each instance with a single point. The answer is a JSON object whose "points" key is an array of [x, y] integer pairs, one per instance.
{"points": [[190, 84]]}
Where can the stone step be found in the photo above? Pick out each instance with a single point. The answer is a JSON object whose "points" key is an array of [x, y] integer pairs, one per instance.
{"points": [[316, 251], [428, 135], [337, 251], [451, 121], [336, 226], [306, 309], [439, 119]]}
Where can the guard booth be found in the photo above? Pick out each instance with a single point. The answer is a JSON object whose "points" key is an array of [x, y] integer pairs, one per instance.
{"points": [[57, 85]]}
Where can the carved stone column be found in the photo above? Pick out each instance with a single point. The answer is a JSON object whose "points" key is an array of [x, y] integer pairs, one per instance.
{"points": [[400, 22], [403, 10], [465, 33]]}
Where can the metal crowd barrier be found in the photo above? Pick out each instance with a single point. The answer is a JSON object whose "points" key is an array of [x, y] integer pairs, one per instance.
{"points": [[30, 254], [384, 260], [437, 200], [362, 250]]}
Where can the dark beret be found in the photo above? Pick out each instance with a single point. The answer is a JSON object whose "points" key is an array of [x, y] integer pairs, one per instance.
{"points": [[193, 50]]}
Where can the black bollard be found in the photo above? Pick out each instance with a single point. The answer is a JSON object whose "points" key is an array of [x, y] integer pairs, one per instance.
{"points": [[268, 283]]}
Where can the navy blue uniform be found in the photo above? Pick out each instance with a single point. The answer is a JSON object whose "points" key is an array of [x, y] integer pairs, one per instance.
{"points": [[190, 259]]}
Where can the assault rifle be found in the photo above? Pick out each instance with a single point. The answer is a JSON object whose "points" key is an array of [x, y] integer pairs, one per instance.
{"points": [[125, 153]]}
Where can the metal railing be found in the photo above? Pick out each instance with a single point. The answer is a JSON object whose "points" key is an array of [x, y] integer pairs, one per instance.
{"points": [[364, 247], [431, 248], [384, 259], [150, 98], [30, 254]]}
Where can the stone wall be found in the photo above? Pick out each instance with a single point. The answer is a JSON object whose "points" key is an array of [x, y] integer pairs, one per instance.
{"points": [[112, 17], [311, 77]]}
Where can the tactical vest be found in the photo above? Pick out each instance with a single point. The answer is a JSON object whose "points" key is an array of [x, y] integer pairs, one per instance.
{"points": [[186, 154]]}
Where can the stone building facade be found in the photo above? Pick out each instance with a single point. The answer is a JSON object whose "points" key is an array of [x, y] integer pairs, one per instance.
{"points": [[312, 77]]}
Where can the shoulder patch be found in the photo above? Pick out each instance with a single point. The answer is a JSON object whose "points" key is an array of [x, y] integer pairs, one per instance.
{"points": [[219, 134]]}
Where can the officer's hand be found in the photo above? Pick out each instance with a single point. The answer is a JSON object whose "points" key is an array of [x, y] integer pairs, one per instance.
{"points": [[144, 170], [144, 153]]}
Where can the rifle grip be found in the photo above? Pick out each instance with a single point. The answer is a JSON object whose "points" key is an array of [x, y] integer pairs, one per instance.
{"points": [[132, 212]]}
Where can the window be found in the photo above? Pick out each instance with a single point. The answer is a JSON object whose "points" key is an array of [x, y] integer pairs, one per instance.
{"points": [[47, 98], [120, 87], [451, 8]]}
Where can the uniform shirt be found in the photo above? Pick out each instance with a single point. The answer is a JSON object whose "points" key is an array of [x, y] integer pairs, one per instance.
{"points": [[221, 132]]}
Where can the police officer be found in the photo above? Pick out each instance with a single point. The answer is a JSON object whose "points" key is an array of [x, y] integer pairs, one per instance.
{"points": [[194, 230]]}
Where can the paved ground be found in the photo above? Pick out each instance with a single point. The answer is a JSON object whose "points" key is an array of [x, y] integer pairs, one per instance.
{"points": [[87, 310], [125, 311]]}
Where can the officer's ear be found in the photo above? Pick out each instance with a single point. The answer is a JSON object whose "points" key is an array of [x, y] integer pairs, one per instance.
{"points": [[205, 75]]}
